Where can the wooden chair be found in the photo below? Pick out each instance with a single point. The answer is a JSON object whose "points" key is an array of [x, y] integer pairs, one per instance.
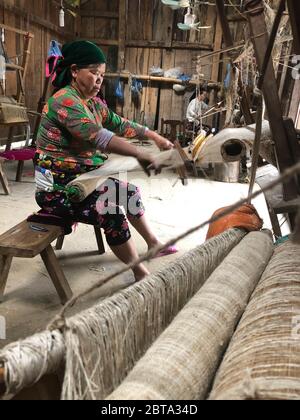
{"points": [[173, 129], [189, 134], [27, 240]]}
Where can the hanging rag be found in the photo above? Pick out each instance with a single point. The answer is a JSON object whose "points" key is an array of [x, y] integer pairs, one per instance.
{"points": [[54, 54], [227, 79], [119, 90], [136, 88], [184, 78], [245, 217]]}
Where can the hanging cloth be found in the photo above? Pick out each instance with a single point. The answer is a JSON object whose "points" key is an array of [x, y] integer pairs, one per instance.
{"points": [[54, 54], [136, 88], [119, 90]]}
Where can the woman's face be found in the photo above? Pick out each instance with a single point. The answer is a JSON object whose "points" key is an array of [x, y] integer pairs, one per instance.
{"points": [[89, 80]]}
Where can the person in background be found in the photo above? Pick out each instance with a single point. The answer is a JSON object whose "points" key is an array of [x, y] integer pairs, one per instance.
{"points": [[197, 107], [75, 133]]}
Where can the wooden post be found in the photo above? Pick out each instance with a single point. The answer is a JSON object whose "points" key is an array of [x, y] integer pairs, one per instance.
{"points": [[259, 34], [56, 274], [60, 243], [229, 43], [99, 239], [5, 263], [41, 104], [78, 23], [22, 74], [122, 40], [3, 179], [294, 12], [217, 46]]}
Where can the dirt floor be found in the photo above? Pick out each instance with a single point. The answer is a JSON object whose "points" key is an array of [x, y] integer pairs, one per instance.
{"points": [[30, 298]]}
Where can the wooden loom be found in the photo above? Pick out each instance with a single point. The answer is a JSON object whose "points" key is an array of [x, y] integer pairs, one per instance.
{"points": [[264, 350]]}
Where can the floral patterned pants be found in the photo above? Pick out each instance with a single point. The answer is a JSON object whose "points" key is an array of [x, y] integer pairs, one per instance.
{"points": [[107, 207]]}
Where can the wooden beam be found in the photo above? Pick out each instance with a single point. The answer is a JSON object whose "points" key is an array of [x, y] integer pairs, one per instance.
{"points": [[217, 46], [11, 66], [122, 34], [99, 14], [17, 31], [295, 102], [224, 23], [122, 39], [106, 42], [176, 45], [294, 12], [260, 37], [228, 39]]}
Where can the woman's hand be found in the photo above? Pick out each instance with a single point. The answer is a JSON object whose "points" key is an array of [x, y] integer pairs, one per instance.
{"points": [[148, 163], [161, 142]]}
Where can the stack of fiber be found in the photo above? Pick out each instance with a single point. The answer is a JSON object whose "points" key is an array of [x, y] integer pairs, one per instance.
{"points": [[104, 343], [263, 359], [182, 362], [101, 345]]}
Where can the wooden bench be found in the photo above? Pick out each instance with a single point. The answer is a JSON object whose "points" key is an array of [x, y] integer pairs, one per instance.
{"points": [[3, 179], [27, 240]]}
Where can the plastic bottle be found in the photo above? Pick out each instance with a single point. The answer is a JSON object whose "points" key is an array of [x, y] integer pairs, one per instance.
{"points": [[189, 18]]}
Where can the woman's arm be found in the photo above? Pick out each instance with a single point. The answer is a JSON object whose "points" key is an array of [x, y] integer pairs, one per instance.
{"points": [[130, 129], [119, 146], [161, 142]]}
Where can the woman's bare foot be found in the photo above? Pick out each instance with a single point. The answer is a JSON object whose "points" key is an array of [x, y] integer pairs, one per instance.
{"points": [[140, 271]]}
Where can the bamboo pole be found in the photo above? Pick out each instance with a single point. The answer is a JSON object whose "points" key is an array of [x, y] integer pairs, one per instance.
{"points": [[17, 31], [159, 79]]}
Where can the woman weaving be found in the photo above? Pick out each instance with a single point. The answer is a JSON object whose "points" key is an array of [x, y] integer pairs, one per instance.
{"points": [[76, 128]]}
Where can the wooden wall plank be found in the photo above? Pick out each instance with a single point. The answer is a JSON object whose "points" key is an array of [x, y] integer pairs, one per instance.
{"points": [[40, 9]]}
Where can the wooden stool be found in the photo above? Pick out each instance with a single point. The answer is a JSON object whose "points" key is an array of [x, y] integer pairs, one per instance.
{"points": [[3, 178], [98, 234], [27, 240]]}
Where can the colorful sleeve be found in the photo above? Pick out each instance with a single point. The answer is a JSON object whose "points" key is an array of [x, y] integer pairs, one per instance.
{"points": [[119, 125], [73, 117]]}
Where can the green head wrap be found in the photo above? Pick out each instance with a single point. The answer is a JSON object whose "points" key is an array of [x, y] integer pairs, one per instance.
{"points": [[81, 53]]}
